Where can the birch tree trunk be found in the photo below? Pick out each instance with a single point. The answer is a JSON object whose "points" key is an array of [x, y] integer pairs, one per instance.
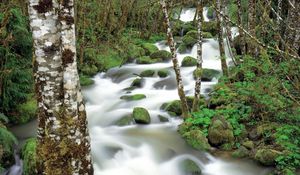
{"points": [[197, 95], [176, 67], [63, 141], [252, 25], [220, 39]]}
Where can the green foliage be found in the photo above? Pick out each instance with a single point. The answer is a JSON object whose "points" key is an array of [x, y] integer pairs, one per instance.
{"points": [[27, 111], [7, 143], [189, 41], [161, 54], [149, 48], [29, 157], [85, 80], [133, 97]]}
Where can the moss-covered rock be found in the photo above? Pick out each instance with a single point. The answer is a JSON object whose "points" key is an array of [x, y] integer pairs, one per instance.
{"points": [[141, 115], [138, 82], [163, 73], [147, 73], [182, 48], [135, 51], [89, 70], [196, 139], [266, 156], [146, 60], [188, 61], [161, 55], [134, 97], [163, 118], [174, 107], [189, 41], [184, 127], [248, 144], [241, 152], [207, 74], [124, 121], [220, 132], [149, 48], [85, 80], [29, 157], [7, 143], [189, 167]]}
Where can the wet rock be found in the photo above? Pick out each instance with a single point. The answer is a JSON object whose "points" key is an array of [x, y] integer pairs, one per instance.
{"points": [[189, 41], [141, 115], [147, 73], [207, 74], [266, 156], [124, 121], [190, 167], [163, 73], [163, 118], [168, 83], [149, 48], [196, 139], [241, 152], [173, 107], [161, 54], [220, 132], [138, 82], [146, 60], [133, 97], [188, 61]]}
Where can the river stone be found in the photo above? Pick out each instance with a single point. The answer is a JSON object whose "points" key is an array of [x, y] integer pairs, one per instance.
{"points": [[266, 156], [188, 61], [124, 121], [220, 132], [190, 167], [163, 73], [134, 97], [173, 107], [197, 140], [141, 115], [147, 73], [167, 83], [241, 152], [207, 74], [161, 54], [163, 119], [138, 82]]}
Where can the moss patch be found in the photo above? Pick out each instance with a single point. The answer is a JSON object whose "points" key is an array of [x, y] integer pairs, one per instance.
{"points": [[133, 97], [29, 157], [141, 115]]}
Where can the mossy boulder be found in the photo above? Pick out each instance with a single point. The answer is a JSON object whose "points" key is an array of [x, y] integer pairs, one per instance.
{"points": [[163, 118], [188, 26], [141, 115], [85, 80], [147, 73], [266, 156], [134, 97], [188, 61], [7, 143], [135, 51], [149, 48], [138, 82], [146, 60], [163, 73], [124, 121], [89, 70], [207, 74], [189, 41], [220, 132], [182, 48], [173, 108], [241, 152], [28, 154], [248, 144], [161, 55], [196, 139], [190, 167]]}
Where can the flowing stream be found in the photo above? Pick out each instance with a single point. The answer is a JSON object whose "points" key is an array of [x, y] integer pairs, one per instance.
{"points": [[155, 149]]}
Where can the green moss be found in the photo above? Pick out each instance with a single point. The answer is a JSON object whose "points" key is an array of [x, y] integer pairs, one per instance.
{"points": [[135, 51], [89, 70], [210, 27], [161, 54], [173, 107], [196, 139], [266, 156], [138, 82], [27, 111], [206, 74], [188, 61], [182, 48], [7, 142], [210, 13], [163, 73], [191, 168], [189, 41], [141, 115], [85, 80], [29, 157], [146, 60], [124, 121], [241, 152], [133, 97], [147, 73], [149, 48]]}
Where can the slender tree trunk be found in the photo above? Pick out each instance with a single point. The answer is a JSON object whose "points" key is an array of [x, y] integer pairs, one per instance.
{"points": [[252, 25], [176, 67], [292, 34], [197, 95], [240, 23], [220, 39], [63, 141]]}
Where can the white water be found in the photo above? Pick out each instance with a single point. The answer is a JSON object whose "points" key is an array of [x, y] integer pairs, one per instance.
{"points": [[154, 149]]}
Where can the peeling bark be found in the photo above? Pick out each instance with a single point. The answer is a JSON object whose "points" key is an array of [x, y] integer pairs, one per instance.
{"points": [[197, 95], [176, 67], [63, 141]]}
